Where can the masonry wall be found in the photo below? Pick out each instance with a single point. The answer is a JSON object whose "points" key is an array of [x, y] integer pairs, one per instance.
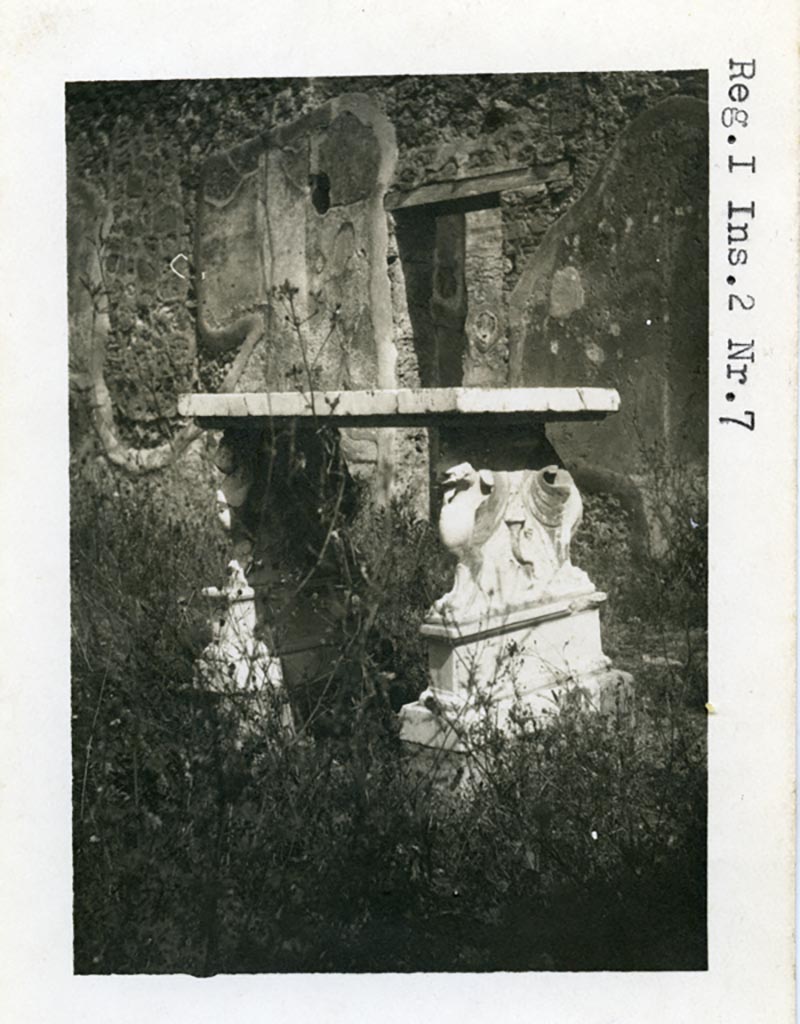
{"points": [[136, 153]]}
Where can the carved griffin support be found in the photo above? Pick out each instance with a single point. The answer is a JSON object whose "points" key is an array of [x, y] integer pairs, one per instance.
{"points": [[236, 660], [511, 534]]}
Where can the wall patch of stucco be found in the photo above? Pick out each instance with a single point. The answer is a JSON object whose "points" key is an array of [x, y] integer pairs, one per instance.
{"points": [[566, 293]]}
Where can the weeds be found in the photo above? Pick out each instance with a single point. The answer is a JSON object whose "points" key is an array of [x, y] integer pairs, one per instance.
{"points": [[207, 840]]}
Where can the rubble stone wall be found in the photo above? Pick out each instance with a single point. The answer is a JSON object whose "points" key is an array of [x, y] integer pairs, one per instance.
{"points": [[137, 153]]}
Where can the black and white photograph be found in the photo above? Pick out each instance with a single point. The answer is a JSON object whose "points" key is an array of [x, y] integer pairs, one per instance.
{"points": [[399, 537], [388, 437]]}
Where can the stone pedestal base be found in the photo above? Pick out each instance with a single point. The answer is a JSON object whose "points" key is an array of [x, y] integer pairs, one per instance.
{"points": [[236, 667], [526, 658]]}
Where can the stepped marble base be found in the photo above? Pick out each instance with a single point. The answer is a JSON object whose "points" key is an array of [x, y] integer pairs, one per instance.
{"points": [[529, 659]]}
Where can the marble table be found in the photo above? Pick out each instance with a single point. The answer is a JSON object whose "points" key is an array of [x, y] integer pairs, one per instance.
{"points": [[520, 621]]}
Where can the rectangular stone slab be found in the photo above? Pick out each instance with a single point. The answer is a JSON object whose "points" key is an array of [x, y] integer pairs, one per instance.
{"points": [[490, 181], [407, 406]]}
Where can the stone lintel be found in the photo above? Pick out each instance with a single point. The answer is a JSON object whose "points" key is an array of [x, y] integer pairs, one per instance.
{"points": [[491, 180], [407, 406]]}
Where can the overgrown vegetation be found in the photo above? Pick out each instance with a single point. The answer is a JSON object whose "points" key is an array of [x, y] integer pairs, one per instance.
{"points": [[205, 840]]}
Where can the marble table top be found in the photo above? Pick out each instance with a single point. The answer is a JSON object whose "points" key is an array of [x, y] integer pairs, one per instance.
{"points": [[407, 406]]}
